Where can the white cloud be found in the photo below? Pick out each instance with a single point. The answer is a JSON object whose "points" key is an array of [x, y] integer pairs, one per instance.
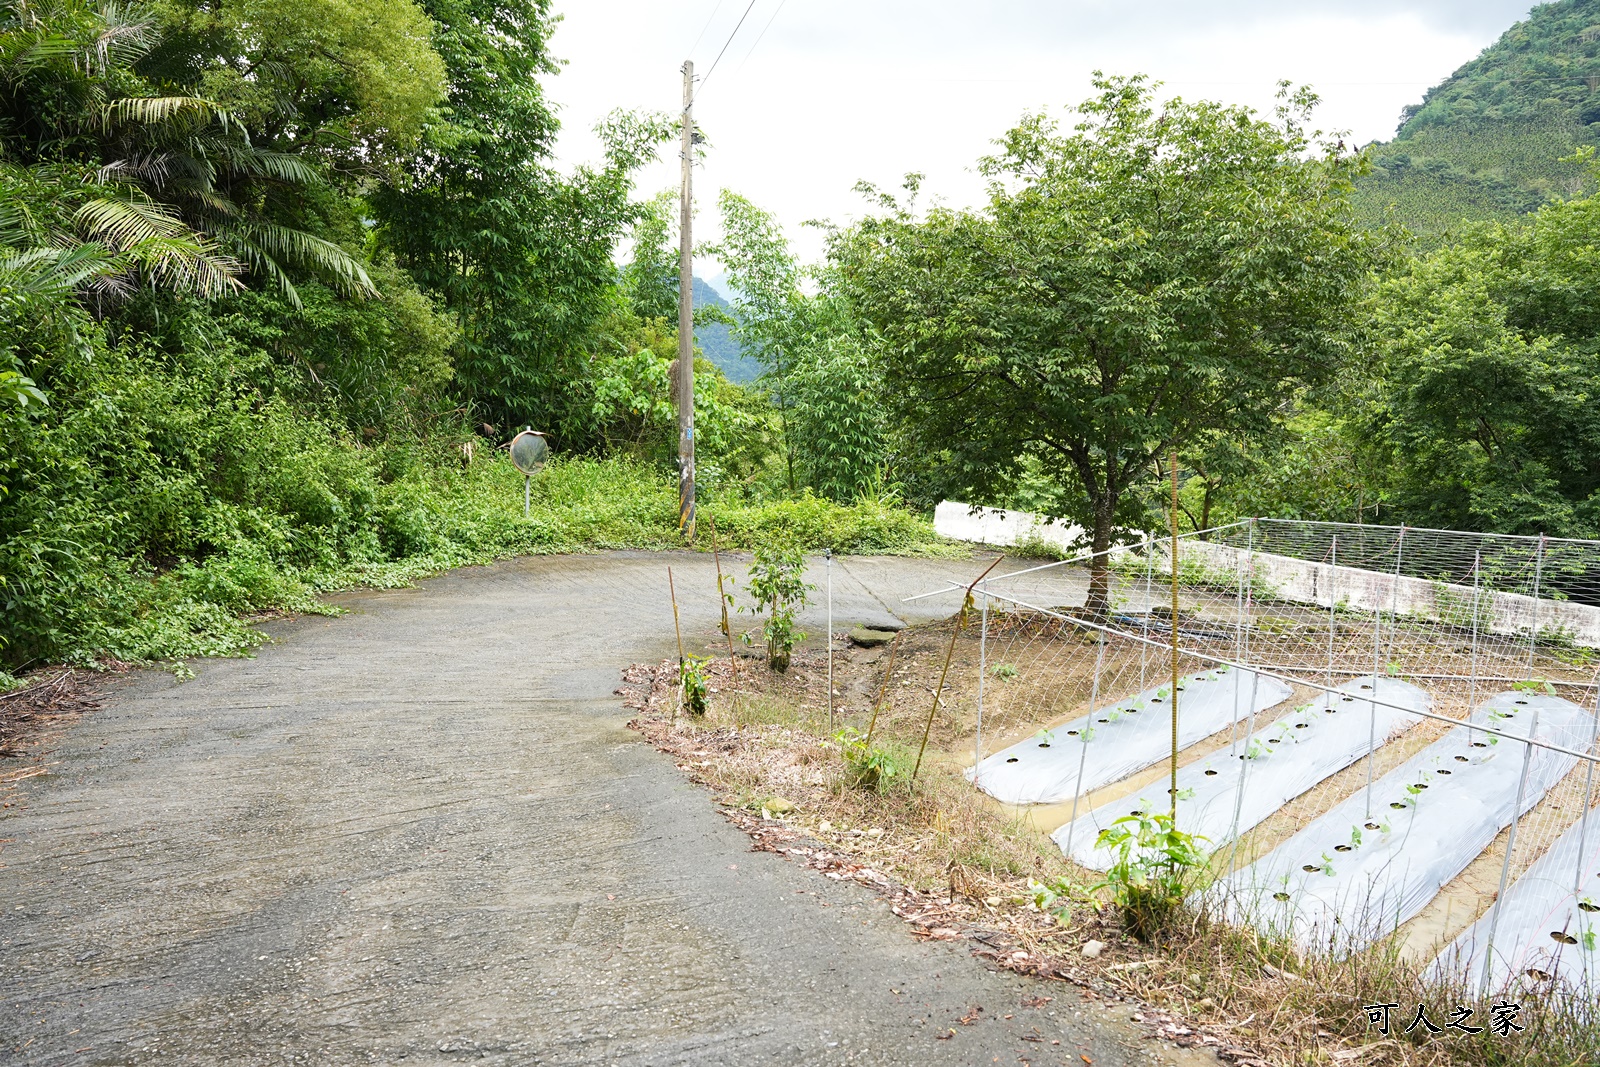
{"points": [[835, 92]]}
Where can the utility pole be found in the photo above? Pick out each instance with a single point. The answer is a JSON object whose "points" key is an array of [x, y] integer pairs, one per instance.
{"points": [[686, 317]]}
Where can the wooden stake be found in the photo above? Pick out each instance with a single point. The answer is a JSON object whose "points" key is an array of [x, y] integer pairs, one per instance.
{"points": [[883, 690], [722, 599], [1172, 791], [938, 692], [679, 629], [686, 316]]}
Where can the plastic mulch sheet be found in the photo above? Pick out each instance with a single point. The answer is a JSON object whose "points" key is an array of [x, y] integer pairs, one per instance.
{"points": [[1548, 927], [1269, 769], [1353, 876], [1123, 737]]}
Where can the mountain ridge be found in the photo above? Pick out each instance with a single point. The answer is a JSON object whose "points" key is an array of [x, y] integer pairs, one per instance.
{"points": [[1489, 141]]}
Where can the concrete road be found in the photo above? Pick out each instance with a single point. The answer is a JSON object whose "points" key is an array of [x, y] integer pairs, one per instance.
{"points": [[420, 833]]}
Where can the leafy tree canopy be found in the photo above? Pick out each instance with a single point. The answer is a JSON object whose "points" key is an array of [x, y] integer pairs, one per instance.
{"points": [[1485, 405], [1157, 273], [348, 78]]}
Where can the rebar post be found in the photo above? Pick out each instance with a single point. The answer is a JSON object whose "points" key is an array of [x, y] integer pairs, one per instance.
{"points": [[1472, 685], [983, 671], [723, 596], [1377, 660], [1083, 739], [678, 629], [1333, 605], [1533, 626], [1588, 794], [828, 555], [1172, 790], [1511, 843], [1244, 765], [1238, 647], [1149, 605]]}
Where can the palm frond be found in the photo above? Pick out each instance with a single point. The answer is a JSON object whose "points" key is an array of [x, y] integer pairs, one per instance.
{"points": [[49, 273], [121, 222], [170, 253], [122, 40], [285, 245], [259, 261], [153, 110], [189, 264], [282, 166]]}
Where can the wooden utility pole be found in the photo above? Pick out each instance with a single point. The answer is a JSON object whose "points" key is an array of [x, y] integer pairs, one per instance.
{"points": [[686, 317]]}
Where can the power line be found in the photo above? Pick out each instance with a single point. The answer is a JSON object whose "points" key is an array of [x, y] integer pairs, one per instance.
{"points": [[725, 45], [763, 34], [706, 27]]}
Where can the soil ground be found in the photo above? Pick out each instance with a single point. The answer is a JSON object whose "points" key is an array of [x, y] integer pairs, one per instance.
{"points": [[421, 833]]}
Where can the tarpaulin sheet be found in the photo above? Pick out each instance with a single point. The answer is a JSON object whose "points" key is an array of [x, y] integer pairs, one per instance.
{"points": [[1352, 876], [1549, 923], [1233, 789], [1123, 737]]}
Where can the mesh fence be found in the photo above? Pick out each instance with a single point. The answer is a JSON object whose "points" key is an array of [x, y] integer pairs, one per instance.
{"points": [[1434, 690]]}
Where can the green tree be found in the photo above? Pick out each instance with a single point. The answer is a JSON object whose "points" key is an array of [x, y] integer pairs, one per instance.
{"points": [[1487, 372], [1151, 276], [167, 179], [521, 255], [352, 82], [814, 353], [650, 281]]}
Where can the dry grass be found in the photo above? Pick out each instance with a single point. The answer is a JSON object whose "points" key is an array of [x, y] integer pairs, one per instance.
{"points": [[32, 716], [957, 865]]}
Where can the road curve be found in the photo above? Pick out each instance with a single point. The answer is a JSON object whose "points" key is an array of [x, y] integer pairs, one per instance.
{"points": [[420, 834]]}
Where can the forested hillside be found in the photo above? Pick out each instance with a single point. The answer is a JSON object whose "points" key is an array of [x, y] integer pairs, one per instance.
{"points": [[716, 339], [1494, 140], [277, 282]]}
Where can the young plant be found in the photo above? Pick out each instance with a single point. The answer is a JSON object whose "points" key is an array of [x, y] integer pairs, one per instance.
{"points": [[1003, 671], [778, 587], [692, 677], [1156, 867], [1053, 898], [867, 766]]}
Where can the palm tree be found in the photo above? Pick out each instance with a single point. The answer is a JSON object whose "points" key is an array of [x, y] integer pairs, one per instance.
{"points": [[178, 196]]}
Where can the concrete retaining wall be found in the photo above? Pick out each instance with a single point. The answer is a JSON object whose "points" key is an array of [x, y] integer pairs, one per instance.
{"points": [[1306, 582]]}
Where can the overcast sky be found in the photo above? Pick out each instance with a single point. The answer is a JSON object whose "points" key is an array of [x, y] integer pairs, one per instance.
{"points": [[813, 95]]}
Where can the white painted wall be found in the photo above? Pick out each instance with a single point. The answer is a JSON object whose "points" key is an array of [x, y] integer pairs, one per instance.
{"points": [[1296, 579], [996, 526]]}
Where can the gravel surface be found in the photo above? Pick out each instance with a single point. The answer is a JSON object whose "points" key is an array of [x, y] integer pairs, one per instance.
{"points": [[421, 833]]}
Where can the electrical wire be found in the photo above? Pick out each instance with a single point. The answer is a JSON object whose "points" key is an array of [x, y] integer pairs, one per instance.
{"points": [[725, 45], [706, 27], [763, 34]]}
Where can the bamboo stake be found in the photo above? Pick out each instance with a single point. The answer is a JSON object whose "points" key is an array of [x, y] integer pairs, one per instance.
{"points": [[679, 629], [961, 620], [883, 690], [1172, 791], [722, 599]]}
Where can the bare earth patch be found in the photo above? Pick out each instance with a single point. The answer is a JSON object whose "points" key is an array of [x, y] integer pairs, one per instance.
{"points": [[32, 716]]}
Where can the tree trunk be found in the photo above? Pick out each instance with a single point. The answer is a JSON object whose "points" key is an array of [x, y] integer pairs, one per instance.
{"points": [[1098, 603]]}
